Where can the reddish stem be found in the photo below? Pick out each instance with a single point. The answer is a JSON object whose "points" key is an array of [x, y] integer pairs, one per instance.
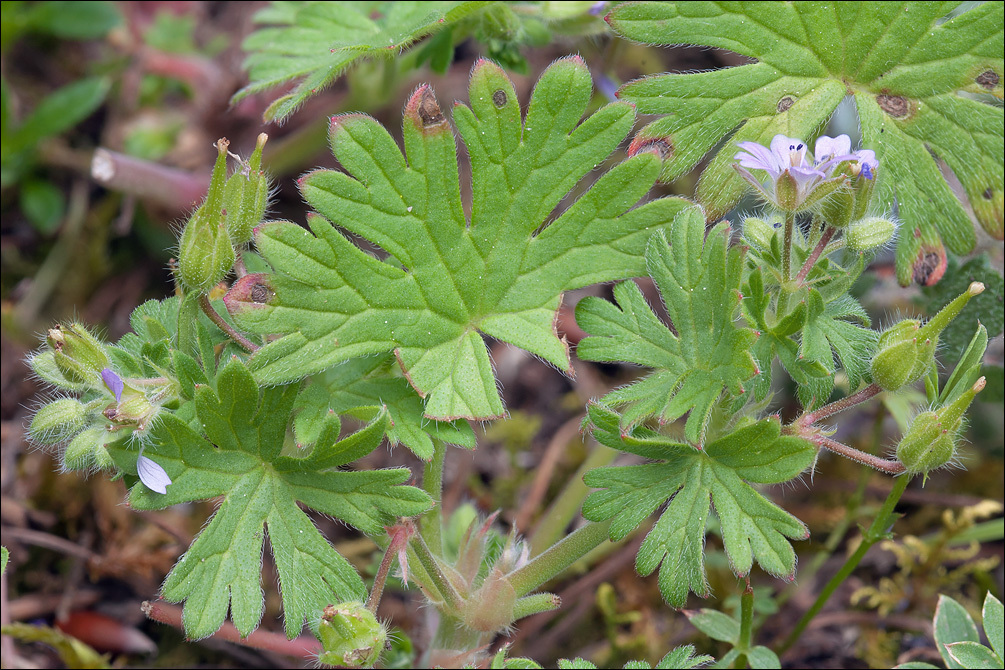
{"points": [[841, 405], [170, 187], [890, 467], [241, 340], [817, 250], [305, 646]]}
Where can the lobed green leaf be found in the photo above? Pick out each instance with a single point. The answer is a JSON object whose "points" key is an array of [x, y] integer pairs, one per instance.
{"points": [[689, 481], [449, 280], [699, 280], [914, 71]]}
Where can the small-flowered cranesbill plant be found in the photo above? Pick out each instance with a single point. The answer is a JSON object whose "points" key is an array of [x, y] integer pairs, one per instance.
{"points": [[318, 351]]}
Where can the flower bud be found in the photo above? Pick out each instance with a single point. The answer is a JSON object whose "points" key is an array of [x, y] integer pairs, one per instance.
{"points": [[839, 208], [906, 350], [58, 421], [902, 356], [930, 441], [205, 254], [758, 232], [78, 355], [87, 450], [245, 197], [869, 233], [927, 445], [133, 410], [350, 636], [44, 365]]}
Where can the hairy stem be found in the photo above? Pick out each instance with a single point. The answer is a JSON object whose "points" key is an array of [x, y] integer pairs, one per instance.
{"points": [[837, 406], [430, 523], [432, 568], [399, 540], [877, 531], [305, 646], [890, 467], [790, 224], [814, 255], [556, 559], [746, 624], [241, 340], [551, 526]]}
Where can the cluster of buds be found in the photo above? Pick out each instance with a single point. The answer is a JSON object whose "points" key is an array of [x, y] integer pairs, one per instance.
{"points": [[109, 407], [233, 207], [833, 181], [906, 350]]}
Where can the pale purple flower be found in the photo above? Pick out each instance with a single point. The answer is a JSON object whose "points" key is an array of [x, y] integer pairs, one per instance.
{"points": [[113, 383], [832, 151], [153, 476], [789, 160]]}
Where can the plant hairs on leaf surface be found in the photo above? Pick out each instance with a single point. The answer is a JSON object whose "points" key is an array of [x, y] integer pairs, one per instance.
{"points": [[500, 270]]}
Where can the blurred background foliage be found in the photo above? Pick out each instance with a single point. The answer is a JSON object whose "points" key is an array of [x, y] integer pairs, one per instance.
{"points": [[109, 112]]}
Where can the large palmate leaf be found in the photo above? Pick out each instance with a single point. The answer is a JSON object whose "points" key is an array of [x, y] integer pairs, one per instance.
{"points": [[917, 77], [315, 42], [699, 280], [449, 279], [240, 458], [692, 479]]}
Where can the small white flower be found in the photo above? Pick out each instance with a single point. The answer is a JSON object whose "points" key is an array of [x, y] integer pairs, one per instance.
{"points": [[152, 475]]}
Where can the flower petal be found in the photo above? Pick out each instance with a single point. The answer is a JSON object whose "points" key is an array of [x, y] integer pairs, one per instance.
{"points": [[828, 148], [758, 157], [113, 383], [153, 476], [789, 151]]}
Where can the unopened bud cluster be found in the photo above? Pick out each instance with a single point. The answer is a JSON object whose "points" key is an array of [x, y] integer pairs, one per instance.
{"points": [[227, 219], [109, 407]]}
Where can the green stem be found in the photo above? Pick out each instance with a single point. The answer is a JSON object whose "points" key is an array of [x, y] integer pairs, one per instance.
{"points": [[746, 625], [877, 531], [430, 524], [535, 604], [551, 527], [790, 224], [556, 559], [451, 598]]}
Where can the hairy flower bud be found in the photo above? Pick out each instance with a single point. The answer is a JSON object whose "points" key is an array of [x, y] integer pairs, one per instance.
{"points": [[758, 233], [205, 253], [87, 450], [351, 636], [245, 197], [930, 441], [906, 350], [78, 355], [58, 421], [901, 356], [869, 233]]}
